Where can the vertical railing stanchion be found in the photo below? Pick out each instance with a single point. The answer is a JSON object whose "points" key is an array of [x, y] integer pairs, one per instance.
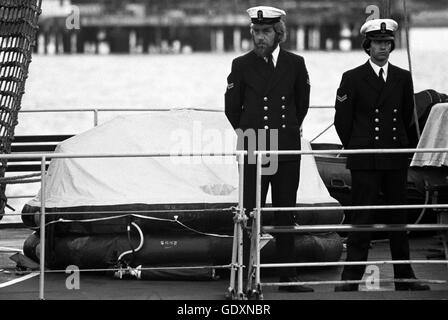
{"points": [[95, 117], [234, 261], [258, 225], [235, 291], [241, 216], [42, 230]]}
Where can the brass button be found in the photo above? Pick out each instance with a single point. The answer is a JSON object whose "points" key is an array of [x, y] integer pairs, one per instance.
{"points": [[283, 98], [284, 126], [265, 118], [266, 108], [394, 129], [266, 127], [265, 98], [394, 119], [377, 111], [395, 110], [377, 129], [377, 120], [283, 107], [395, 138], [377, 138], [283, 116]]}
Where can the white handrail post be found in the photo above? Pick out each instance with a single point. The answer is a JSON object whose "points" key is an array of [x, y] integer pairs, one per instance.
{"points": [[231, 290], [42, 230], [241, 217], [258, 224]]}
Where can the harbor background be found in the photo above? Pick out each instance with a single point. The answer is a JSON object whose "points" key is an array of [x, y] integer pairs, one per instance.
{"points": [[171, 75], [178, 53]]}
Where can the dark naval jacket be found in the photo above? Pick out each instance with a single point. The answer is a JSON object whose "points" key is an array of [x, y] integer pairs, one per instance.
{"points": [[373, 115], [263, 99]]}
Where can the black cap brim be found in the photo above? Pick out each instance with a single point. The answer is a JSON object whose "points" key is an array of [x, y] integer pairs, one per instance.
{"points": [[265, 20], [381, 37]]}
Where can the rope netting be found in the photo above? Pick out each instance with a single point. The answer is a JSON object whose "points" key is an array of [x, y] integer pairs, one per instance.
{"points": [[18, 29]]}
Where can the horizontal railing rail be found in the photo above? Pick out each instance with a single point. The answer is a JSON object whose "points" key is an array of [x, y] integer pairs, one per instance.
{"points": [[354, 228], [97, 111], [351, 151], [351, 263], [117, 155], [215, 154]]}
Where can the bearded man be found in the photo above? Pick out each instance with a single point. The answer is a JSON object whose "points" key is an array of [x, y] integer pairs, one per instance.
{"points": [[266, 100]]}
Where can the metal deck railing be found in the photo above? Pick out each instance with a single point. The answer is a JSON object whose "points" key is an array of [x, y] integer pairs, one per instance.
{"points": [[254, 281], [43, 213], [236, 290]]}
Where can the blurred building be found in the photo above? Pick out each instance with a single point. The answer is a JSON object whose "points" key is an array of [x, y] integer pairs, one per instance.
{"points": [[175, 26]]}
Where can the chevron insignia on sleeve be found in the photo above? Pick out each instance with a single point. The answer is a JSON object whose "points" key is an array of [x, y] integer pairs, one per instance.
{"points": [[230, 86], [341, 99]]}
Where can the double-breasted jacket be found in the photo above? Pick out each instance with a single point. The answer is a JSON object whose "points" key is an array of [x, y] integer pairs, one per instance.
{"points": [[373, 115]]}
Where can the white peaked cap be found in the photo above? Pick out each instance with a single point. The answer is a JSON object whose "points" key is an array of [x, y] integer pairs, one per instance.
{"points": [[379, 28], [264, 14]]}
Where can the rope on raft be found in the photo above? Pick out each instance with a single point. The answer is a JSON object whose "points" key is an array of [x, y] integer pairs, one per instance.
{"points": [[20, 179], [175, 221]]}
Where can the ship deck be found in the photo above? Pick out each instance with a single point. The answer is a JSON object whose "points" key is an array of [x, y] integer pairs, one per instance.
{"points": [[102, 287]]}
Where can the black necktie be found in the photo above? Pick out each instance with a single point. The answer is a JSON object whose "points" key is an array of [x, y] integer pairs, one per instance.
{"points": [[381, 76], [270, 62]]}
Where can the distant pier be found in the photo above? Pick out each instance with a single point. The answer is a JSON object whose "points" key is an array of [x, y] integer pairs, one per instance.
{"points": [[312, 25]]}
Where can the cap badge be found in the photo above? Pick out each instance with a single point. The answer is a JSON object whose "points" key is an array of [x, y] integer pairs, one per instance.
{"points": [[383, 27], [260, 15]]}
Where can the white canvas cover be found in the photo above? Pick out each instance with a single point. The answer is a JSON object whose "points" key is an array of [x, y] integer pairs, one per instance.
{"points": [[434, 135], [158, 180]]}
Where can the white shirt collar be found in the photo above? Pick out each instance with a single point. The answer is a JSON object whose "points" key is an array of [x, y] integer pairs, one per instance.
{"points": [[275, 54], [376, 68]]}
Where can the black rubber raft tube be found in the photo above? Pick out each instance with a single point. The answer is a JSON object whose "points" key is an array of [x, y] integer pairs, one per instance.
{"points": [[179, 238], [102, 251]]}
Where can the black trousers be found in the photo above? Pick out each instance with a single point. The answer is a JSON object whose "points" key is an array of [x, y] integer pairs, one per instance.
{"points": [[284, 184], [366, 188]]}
